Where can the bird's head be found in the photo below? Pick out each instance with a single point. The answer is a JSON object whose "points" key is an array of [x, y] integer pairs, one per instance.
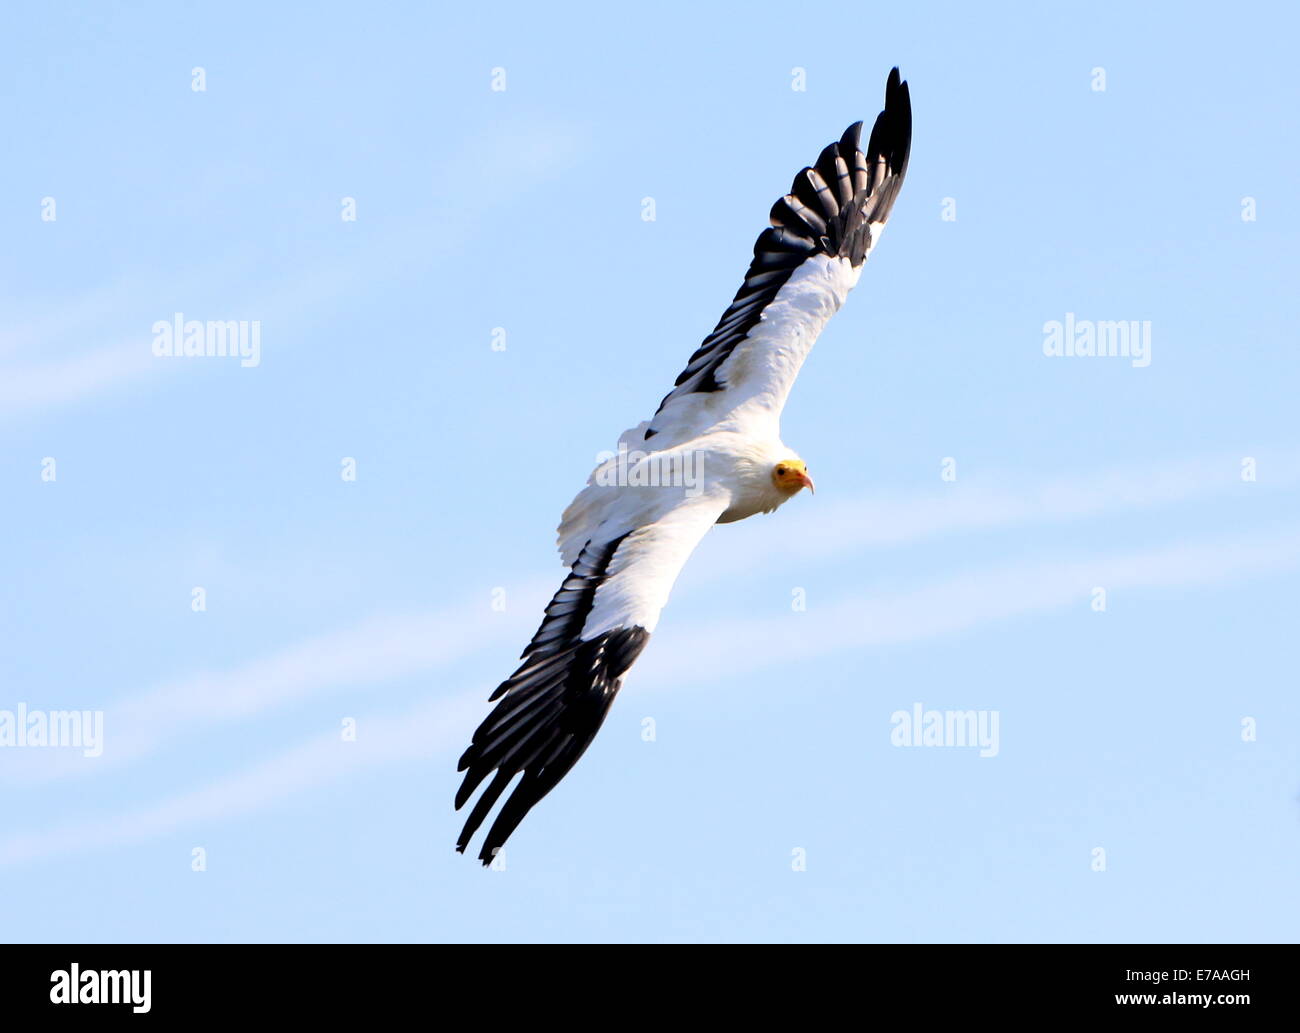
{"points": [[790, 476]]}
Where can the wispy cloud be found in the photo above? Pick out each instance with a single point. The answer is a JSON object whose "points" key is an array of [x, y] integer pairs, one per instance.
{"points": [[862, 621], [370, 653], [489, 169], [998, 502], [58, 350], [74, 377], [385, 648], [974, 598], [432, 729]]}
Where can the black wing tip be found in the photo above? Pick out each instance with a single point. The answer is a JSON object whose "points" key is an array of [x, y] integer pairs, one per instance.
{"points": [[898, 100], [896, 92], [898, 104], [891, 136], [553, 707]]}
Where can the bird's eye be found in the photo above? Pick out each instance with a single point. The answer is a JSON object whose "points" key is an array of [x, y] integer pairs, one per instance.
{"points": [[780, 470]]}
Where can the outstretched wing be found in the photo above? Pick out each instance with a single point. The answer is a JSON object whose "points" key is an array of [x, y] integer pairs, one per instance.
{"points": [[803, 268], [554, 704]]}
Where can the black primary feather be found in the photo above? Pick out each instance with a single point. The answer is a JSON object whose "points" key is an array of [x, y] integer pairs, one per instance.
{"points": [[550, 708]]}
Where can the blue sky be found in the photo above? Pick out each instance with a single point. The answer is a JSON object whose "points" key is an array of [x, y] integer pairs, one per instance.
{"points": [[372, 599]]}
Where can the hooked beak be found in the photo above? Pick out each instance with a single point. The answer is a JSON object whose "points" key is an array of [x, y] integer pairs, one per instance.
{"points": [[807, 481]]}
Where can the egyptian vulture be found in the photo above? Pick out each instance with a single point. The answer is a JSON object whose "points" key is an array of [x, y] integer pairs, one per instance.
{"points": [[712, 453]]}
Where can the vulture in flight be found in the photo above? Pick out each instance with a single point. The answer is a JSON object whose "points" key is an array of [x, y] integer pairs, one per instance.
{"points": [[627, 534]]}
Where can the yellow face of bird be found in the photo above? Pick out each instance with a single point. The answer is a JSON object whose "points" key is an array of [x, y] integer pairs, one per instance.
{"points": [[790, 475]]}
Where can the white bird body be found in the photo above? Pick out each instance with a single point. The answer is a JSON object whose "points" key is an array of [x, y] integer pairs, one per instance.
{"points": [[733, 468], [712, 453]]}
